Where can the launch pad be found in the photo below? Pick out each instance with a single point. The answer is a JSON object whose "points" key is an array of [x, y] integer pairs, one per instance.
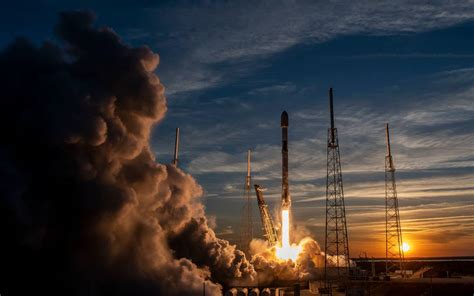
{"points": [[336, 272]]}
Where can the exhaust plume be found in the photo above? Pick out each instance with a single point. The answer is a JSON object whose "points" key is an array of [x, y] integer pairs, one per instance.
{"points": [[271, 268], [85, 208]]}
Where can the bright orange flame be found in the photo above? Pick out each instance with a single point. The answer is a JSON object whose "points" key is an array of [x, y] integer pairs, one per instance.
{"points": [[286, 251]]}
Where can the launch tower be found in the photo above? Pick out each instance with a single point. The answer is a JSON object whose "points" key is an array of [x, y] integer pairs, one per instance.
{"points": [[246, 223], [336, 248]]}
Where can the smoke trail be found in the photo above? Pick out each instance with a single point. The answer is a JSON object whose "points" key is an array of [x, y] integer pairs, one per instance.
{"points": [[85, 208]]}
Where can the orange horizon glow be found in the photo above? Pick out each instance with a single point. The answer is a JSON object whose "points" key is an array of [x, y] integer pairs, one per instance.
{"points": [[374, 246]]}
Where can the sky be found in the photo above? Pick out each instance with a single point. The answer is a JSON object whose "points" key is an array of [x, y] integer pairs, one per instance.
{"points": [[231, 67]]}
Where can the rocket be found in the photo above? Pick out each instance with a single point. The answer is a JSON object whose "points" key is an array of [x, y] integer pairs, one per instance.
{"points": [[176, 148], [285, 190]]}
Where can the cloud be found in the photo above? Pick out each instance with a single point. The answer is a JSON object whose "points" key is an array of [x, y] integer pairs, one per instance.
{"points": [[228, 230], [282, 24], [258, 30], [84, 204]]}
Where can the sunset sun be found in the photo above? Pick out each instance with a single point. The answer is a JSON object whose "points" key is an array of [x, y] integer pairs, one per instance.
{"points": [[405, 247]]}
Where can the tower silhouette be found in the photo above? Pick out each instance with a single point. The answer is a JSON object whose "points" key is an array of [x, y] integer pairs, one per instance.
{"points": [[336, 247], [246, 223], [394, 255]]}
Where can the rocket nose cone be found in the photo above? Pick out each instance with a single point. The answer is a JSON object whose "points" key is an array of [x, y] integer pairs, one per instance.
{"points": [[284, 119]]}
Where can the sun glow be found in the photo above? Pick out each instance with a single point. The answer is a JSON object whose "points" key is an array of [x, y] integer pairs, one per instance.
{"points": [[286, 251], [405, 247]]}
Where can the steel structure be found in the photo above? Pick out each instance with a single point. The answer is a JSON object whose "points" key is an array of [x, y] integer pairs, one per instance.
{"points": [[336, 248], [394, 255], [268, 227], [246, 223], [176, 148]]}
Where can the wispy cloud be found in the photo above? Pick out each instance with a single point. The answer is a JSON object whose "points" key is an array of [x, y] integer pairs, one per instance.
{"points": [[203, 30]]}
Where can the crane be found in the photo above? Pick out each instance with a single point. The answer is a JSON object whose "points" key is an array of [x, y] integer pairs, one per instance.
{"points": [[267, 222], [394, 254]]}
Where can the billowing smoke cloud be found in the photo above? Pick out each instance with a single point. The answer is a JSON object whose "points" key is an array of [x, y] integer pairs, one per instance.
{"points": [[309, 265], [85, 208]]}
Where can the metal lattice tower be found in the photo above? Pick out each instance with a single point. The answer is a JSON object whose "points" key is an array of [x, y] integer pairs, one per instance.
{"points": [[336, 243], [268, 227], [246, 223], [394, 255]]}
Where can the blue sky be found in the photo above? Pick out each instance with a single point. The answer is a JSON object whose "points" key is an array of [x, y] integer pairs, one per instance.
{"points": [[230, 68]]}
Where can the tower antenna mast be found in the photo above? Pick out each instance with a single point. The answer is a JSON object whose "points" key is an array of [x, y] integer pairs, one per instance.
{"points": [[246, 223], [336, 247]]}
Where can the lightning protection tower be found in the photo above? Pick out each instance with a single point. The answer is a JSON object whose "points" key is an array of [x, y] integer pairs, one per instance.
{"points": [[336, 248], [394, 255], [246, 223]]}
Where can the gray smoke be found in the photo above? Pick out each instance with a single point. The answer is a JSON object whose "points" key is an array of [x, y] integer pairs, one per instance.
{"points": [[85, 208]]}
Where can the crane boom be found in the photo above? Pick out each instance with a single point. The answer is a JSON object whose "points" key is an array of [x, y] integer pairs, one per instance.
{"points": [[394, 254], [267, 222]]}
